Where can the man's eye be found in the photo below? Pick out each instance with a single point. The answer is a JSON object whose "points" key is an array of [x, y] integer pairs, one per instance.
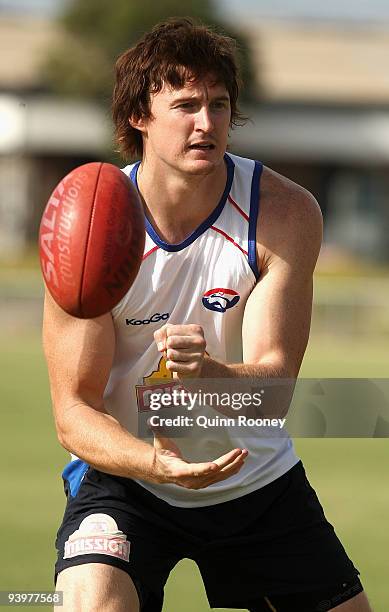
{"points": [[186, 105], [219, 105]]}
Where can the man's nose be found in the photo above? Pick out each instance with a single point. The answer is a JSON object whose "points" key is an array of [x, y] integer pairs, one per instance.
{"points": [[204, 121]]}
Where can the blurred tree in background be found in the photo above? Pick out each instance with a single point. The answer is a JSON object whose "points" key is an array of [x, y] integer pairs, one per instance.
{"points": [[95, 32]]}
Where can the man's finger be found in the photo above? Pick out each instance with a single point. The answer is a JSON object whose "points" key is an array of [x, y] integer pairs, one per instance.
{"points": [[198, 470], [160, 337], [185, 330], [230, 457], [224, 473], [233, 458], [183, 355], [237, 463], [219, 477], [186, 342], [191, 368]]}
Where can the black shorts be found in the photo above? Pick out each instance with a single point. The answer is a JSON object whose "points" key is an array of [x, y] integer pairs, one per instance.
{"points": [[270, 550]]}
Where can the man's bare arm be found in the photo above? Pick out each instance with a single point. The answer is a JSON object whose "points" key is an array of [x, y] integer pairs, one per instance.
{"points": [[277, 317], [79, 355]]}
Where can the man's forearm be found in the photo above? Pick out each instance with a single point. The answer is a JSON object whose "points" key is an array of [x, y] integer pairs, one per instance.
{"points": [[98, 439], [214, 369], [278, 393]]}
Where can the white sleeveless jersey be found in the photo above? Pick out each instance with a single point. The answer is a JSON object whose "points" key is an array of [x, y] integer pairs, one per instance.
{"points": [[205, 280]]}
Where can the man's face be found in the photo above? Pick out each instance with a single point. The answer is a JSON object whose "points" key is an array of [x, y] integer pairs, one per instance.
{"points": [[188, 128]]}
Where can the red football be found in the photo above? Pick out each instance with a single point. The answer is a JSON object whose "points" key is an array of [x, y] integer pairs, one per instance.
{"points": [[91, 239]]}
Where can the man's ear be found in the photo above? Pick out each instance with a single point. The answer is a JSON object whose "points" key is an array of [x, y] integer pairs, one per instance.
{"points": [[138, 124]]}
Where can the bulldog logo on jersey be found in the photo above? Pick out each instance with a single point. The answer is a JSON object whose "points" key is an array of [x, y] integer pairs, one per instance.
{"points": [[220, 300]]}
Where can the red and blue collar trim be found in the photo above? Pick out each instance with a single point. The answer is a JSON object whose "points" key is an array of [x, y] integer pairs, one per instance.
{"points": [[204, 225]]}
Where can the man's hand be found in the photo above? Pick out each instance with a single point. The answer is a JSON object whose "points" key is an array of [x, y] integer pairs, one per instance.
{"points": [[170, 466], [184, 347]]}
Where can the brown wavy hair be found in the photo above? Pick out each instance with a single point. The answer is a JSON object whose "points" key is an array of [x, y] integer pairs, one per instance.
{"points": [[174, 52]]}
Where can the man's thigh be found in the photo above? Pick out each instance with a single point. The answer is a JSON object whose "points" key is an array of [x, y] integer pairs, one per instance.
{"points": [[280, 551], [108, 525], [97, 587], [359, 603], [332, 599]]}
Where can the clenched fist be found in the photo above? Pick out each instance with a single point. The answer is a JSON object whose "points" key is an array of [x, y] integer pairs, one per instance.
{"points": [[184, 347]]}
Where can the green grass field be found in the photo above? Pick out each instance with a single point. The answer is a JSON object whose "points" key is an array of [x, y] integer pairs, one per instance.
{"points": [[351, 475]]}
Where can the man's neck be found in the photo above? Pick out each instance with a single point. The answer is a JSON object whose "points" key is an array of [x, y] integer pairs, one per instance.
{"points": [[176, 203]]}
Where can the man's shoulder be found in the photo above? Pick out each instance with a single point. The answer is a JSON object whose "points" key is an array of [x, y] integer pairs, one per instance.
{"points": [[289, 215], [285, 200]]}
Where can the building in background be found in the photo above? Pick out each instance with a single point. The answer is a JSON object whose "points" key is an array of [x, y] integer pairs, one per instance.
{"points": [[41, 137], [322, 118], [325, 122]]}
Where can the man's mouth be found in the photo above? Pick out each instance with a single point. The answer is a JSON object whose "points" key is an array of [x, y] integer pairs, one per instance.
{"points": [[198, 146]]}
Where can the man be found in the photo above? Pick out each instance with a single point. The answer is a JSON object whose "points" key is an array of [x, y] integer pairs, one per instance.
{"points": [[233, 289]]}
